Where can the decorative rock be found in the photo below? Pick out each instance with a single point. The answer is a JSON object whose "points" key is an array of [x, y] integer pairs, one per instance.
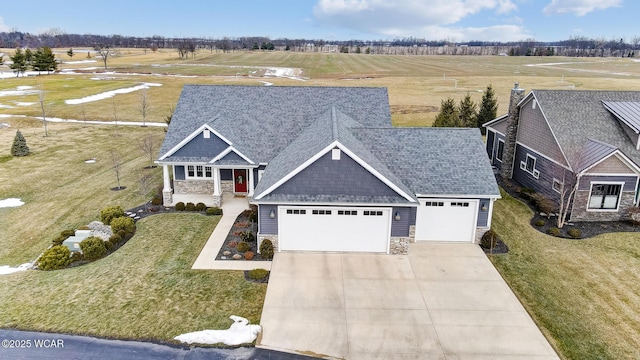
{"points": [[226, 253], [237, 257]]}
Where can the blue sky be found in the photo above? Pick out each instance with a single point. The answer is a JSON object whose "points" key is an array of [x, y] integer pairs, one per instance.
{"points": [[455, 20]]}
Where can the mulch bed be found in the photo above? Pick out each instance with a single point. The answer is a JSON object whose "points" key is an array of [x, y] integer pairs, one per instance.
{"points": [[587, 229], [242, 224]]}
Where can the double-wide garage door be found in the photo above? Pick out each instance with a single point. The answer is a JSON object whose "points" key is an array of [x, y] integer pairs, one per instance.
{"points": [[334, 229], [446, 220]]}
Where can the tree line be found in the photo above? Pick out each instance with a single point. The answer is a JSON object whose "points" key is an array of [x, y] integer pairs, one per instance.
{"points": [[574, 46], [40, 60], [466, 113]]}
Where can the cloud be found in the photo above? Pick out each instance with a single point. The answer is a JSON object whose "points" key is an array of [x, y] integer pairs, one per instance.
{"points": [[578, 7], [3, 27], [434, 19]]}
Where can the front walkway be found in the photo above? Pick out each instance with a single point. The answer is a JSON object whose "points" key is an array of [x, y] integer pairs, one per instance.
{"points": [[231, 208]]}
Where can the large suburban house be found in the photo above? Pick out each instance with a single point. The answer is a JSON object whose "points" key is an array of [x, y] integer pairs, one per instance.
{"points": [[326, 169], [553, 140]]}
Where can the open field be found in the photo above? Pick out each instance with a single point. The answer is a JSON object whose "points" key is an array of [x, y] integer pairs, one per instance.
{"points": [[417, 84], [583, 294]]}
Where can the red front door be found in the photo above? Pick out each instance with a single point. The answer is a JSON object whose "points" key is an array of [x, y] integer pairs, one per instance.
{"points": [[240, 180]]}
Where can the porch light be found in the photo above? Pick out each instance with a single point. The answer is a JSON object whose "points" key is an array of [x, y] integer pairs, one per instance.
{"points": [[484, 207], [272, 214], [397, 216]]}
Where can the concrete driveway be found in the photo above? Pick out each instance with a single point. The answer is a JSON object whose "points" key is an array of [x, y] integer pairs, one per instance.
{"points": [[443, 301]]}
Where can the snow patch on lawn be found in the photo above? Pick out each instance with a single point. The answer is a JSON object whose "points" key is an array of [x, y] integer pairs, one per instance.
{"points": [[11, 202], [240, 332], [109, 94], [6, 269], [19, 91], [21, 103], [80, 62]]}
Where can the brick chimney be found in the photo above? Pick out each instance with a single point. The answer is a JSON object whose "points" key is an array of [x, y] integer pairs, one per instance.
{"points": [[508, 156]]}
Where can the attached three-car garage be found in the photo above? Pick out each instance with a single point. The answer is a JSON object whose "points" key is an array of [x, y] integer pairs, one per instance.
{"points": [[334, 229]]}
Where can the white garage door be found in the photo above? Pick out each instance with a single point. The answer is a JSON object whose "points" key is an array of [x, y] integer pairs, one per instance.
{"points": [[446, 220], [334, 229]]}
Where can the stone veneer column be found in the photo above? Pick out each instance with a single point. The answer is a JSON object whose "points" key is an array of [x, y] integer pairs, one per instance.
{"points": [[509, 153]]}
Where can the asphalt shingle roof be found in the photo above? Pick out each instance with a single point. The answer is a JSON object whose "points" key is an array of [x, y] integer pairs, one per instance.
{"points": [[576, 117]]}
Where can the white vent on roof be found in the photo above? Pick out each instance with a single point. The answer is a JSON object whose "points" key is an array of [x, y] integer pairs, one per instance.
{"points": [[335, 154], [206, 133], [533, 104]]}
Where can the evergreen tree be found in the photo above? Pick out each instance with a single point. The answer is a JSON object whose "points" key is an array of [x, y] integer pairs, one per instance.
{"points": [[19, 62], [44, 60], [70, 53], [467, 112], [28, 56], [448, 115], [1, 60], [488, 108], [19, 147]]}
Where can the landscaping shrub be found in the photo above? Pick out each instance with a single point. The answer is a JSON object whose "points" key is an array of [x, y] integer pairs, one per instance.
{"points": [[68, 233], [253, 216], [633, 215], [539, 222], [115, 239], [201, 206], [156, 201], [526, 193], [93, 248], [180, 206], [243, 246], [247, 236], [266, 249], [110, 213], [125, 224], [108, 245], [76, 256], [554, 231], [249, 255], [232, 244], [214, 211], [489, 240], [257, 274], [190, 206], [56, 257], [574, 233], [19, 147], [544, 204], [84, 227]]}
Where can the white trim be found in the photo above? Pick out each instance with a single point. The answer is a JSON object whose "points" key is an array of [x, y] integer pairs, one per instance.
{"points": [[206, 133], [554, 181], [216, 182], [190, 137], [260, 173], [496, 120], [490, 215], [335, 154], [250, 184], [457, 196], [195, 171], [226, 151], [591, 183], [340, 204], [166, 178], [322, 153]]}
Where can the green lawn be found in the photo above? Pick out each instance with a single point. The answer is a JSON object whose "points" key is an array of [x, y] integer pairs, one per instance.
{"points": [[145, 290], [584, 294]]}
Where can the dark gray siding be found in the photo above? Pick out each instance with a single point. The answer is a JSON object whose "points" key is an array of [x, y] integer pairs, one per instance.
{"points": [[412, 214], [629, 181], [548, 171], [201, 147], [335, 177], [401, 227], [267, 225], [179, 170], [483, 215], [226, 174]]}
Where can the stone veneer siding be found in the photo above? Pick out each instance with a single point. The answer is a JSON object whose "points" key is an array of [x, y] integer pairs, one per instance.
{"points": [[479, 232], [193, 187], [399, 245], [274, 241], [226, 186], [580, 213]]}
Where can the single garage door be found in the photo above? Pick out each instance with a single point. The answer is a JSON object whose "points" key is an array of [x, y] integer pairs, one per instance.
{"points": [[334, 229], [446, 220]]}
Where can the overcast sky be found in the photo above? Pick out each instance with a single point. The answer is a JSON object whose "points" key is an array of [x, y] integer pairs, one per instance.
{"points": [[454, 20]]}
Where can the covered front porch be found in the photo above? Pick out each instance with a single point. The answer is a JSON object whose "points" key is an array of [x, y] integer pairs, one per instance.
{"points": [[205, 183]]}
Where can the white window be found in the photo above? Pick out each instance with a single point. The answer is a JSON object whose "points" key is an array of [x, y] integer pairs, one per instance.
{"points": [[199, 172], [321, 212], [296, 211], [529, 166], [605, 196], [500, 151], [372, 213], [557, 185], [434, 203], [460, 204], [347, 212]]}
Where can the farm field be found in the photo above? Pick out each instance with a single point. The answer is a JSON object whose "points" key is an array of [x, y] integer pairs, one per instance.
{"points": [[581, 293]]}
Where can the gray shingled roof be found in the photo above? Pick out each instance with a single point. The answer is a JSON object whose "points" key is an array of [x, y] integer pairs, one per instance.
{"points": [[261, 121], [578, 116], [434, 161]]}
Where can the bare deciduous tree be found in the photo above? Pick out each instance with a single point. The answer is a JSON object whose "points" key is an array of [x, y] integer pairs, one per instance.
{"points": [[115, 115], [567, 190], [116, 162], [149, 145], [144, 106], [103, 50], [145, 180], [41, 98]]}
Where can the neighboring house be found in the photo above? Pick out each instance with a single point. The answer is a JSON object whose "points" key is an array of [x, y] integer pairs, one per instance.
{"points": [[326, 169], [552, 140]]}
